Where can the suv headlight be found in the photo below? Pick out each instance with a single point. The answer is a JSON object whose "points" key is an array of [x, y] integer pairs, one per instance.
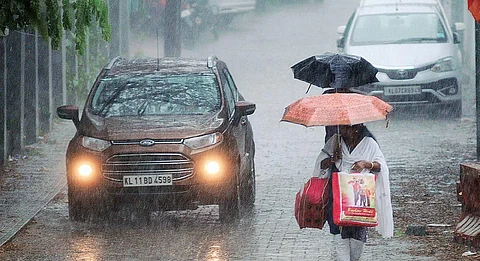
{"points": [[203, 141], [444, 65], [95, 144]]}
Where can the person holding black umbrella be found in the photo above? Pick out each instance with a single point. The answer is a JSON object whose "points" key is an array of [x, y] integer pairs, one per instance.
{"points": [[349, 145], [336, 73]]}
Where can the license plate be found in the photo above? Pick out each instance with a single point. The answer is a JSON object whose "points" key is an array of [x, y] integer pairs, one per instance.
{"points": [[402, 90], [147, 180]]}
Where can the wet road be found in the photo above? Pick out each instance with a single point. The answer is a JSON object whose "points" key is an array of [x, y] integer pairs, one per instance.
{"points": [[260, 50]]}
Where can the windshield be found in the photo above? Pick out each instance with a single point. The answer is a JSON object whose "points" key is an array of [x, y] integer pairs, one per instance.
{"points": [[153, 94], [398, 29]]}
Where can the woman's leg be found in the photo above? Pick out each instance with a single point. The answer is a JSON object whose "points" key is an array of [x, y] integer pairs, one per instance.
{"points": [[356, 249], [341, 248]]}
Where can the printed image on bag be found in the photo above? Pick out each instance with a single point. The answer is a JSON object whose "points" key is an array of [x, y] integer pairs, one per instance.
{"points": [[354, 199]]}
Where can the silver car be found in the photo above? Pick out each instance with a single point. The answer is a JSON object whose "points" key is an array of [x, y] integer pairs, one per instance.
{"points": [[414, 48], [226, 10]]}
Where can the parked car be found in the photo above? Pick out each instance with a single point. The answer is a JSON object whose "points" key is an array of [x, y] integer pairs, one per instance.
{"points": [[414, 48], [226, 10], [162, 134]]}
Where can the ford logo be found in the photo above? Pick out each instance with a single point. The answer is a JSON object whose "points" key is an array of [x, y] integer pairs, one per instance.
{"points": [[147, 143]]}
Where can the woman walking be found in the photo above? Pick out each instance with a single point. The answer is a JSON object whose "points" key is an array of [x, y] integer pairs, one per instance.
{"points": [[354, 149]]}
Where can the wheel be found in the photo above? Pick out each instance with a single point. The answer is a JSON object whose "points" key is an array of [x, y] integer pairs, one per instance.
{"points": [[86, 205], [454, 110], [225, 20], [450, 110], [77, 207], [247, 189], [229, 206]]}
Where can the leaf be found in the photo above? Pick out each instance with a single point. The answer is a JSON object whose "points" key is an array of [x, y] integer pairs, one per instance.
{"points": [[50, 18]]}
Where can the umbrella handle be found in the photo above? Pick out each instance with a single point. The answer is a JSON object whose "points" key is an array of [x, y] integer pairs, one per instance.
{"points": [[308, 89], [337, 147]]}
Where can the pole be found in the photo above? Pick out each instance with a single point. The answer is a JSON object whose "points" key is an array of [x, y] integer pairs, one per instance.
{"points": [[172, 44], [477, 84]]}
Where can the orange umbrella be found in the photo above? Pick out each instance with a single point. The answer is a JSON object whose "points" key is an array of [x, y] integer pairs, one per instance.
{"points": [[336, 109], [474, 7]]}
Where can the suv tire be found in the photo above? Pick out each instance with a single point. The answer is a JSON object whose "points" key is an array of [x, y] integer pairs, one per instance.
{"points": [[86, 205], [454, 110], [229, 206], [247, 189]]}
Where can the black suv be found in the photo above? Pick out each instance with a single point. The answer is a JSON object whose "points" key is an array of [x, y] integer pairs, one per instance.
{"points": [[163, 134]]}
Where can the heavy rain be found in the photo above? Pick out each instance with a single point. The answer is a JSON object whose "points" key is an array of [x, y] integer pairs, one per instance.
{"points": [[424, 144]]}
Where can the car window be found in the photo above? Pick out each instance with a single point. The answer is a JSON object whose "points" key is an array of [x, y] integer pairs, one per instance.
{"points": [[350, 22], [231, 84], [153, 94], [403, 28], [228, 90]]}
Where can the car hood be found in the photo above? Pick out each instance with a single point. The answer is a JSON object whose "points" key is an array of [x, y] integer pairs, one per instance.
{"points": [[401, 55], [153, 127]]}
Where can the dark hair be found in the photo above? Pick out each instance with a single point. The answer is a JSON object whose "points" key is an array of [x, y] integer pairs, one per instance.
{"points": [[331, 130], [364, 132]]}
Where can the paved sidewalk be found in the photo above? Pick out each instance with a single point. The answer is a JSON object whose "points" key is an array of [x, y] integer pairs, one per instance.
{"points": [[31, 181]]}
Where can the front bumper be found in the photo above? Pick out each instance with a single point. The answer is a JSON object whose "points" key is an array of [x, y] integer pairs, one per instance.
{"points": [[415, 92], [190, 181], [234, 8]]}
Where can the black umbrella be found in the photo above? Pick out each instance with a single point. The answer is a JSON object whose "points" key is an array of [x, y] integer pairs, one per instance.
{"points": [[333, 70]]}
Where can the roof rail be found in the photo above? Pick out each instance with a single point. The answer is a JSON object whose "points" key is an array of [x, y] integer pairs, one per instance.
{"points": [[113, 62], [211, 61]]}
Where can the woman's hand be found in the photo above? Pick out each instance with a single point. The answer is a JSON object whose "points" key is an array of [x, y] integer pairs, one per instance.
{"points": [[327, 163], [363, 164]]}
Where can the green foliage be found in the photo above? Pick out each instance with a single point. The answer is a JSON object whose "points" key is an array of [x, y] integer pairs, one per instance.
{"points": [[49, 18], [82, 70]]}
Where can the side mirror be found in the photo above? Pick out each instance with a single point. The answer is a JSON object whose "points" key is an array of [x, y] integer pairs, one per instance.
{"points": [[69, 112], [341, 43], [341, 29], [244, 108], [459, 26], [456, 38]]}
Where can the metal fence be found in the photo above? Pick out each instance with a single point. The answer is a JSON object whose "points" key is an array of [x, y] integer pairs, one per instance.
{"points": [[35, 80]]}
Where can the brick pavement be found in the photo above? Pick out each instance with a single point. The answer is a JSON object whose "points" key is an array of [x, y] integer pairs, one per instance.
{"points": [[30, 182], [271, 234]]}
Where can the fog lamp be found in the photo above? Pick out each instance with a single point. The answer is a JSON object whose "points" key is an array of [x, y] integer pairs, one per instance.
{"points": [[212, 167], [451, 90], [85, 170]]}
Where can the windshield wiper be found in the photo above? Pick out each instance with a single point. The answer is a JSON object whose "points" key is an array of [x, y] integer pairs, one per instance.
{"points": [[415, 40], [108, 103]]}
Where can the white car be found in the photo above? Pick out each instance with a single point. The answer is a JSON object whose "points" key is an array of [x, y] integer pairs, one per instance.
{"points": [[413, 46], [226, 10]]}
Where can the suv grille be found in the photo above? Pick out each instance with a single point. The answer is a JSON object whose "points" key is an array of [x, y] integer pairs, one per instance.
{"points": [[145, 164], [404, 74]]}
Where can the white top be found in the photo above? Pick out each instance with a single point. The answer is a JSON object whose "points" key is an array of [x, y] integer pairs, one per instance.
{"points": [[368, 150]]}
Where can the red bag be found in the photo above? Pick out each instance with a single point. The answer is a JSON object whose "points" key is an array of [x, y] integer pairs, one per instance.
{"points": [[354, 199], [310, 203]]}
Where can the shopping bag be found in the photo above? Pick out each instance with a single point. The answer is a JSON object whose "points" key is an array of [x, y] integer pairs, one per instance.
{"points": [[354, 199], [310, 203]]}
